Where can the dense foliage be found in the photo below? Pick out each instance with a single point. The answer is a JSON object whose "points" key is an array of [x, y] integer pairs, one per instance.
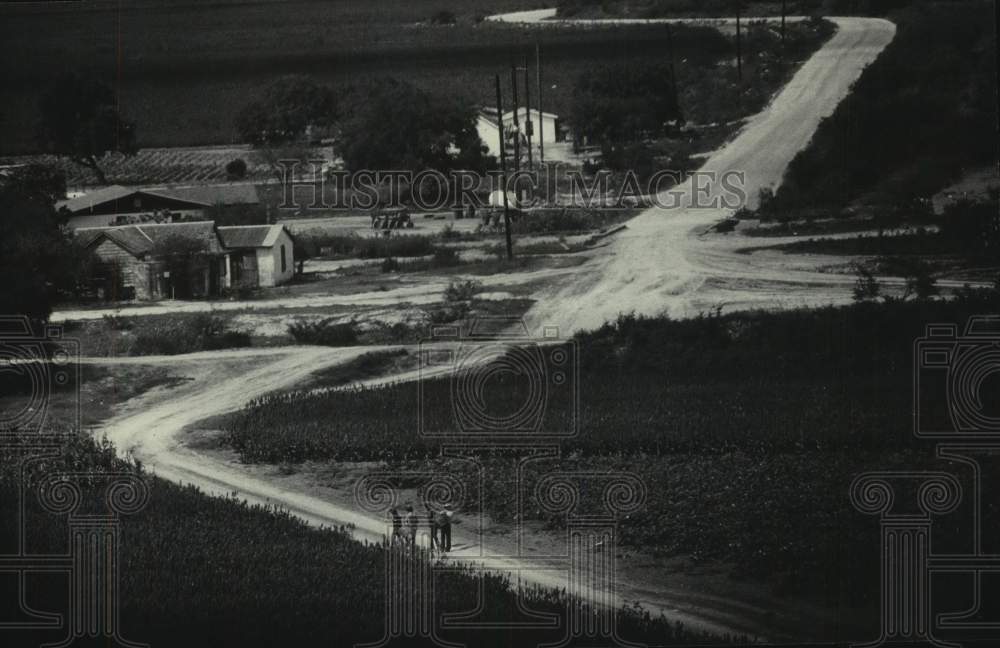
{"points": [[935, 89], [116, 335], [625, 103], [289, 106], [38, 261], [79, 119], [391, 124], [724, 8]]}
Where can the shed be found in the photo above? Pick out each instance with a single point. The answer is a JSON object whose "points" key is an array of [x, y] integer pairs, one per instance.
{"points": [[260, 255]]}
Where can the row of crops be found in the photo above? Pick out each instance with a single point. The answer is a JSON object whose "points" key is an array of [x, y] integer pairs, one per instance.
{"points": [[747, 430], [158, 166], [201, 571]]}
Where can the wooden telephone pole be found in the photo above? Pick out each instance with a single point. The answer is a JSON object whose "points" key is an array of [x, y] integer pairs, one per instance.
{"points": [[538, 79], [739, 40], [517, 124], [784, 13], [503, 173], [528, 124], [673, 71]]}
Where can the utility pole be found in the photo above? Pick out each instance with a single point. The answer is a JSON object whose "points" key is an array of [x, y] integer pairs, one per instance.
{"points": [[538, 79], [784, 12], [673, 71], [739, 41], [529, 126], [517, 125], [503, 173]]}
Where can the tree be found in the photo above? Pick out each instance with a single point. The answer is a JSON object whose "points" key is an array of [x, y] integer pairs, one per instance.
{"points": [[183, 257], [236, 169], [290, 106], [625, 103], [39, 261], [866, 287], [79, 119], [390, 124]]}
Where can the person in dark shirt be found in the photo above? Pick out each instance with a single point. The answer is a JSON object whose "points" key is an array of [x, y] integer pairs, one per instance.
{"points": [[397, 526], [410, 530], [444, 528], [433, 526]]}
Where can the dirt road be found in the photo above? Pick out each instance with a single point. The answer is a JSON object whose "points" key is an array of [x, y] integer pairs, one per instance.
{"points": [[657, 262], [661, 263]]}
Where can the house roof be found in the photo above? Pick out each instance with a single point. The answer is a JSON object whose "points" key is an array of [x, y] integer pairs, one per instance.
{"points": [[142, 238], [208, 195], [521, 111], [250, 236], [117, 193], [194, 197]]}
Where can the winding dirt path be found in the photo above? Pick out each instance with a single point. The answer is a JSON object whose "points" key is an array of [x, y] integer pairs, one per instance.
{"points": [[657, 262]]}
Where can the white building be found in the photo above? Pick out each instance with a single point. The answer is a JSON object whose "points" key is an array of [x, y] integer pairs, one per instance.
{"points": [[541, 122], [260, 255], [489, 130]]}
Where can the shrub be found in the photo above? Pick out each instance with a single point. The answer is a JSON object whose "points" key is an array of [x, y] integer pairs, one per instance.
{"points": [[445, 258], [866, 287], [462, 292], [318, 242], [236, 169], [188, 333], [118, 322], [390, 265], [327, 332], [443, 17]]}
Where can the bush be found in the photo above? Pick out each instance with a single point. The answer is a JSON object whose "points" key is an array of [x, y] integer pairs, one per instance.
{"points": [[118, 322], [390, 265], [188, 333], [443, 17], [327, 332], [445, 258], [462, 292], [317, 243], [236, 169]]}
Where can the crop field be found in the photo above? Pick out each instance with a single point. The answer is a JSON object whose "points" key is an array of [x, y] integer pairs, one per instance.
{"points": [[172, 66], [747, 443], [203, 571], [152, 166]]}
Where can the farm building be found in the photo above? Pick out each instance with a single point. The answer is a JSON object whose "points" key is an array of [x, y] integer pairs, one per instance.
{"points": [[541, 122], [118, 205], [157, 260], [115, 204], [260, 255], [489, 130]]}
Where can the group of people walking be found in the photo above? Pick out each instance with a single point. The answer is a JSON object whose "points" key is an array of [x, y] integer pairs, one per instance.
{"points": [[405, 527]]}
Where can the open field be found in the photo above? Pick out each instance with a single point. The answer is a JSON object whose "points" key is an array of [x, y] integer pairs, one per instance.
{"points": [[167, 80], [190, 59]]}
